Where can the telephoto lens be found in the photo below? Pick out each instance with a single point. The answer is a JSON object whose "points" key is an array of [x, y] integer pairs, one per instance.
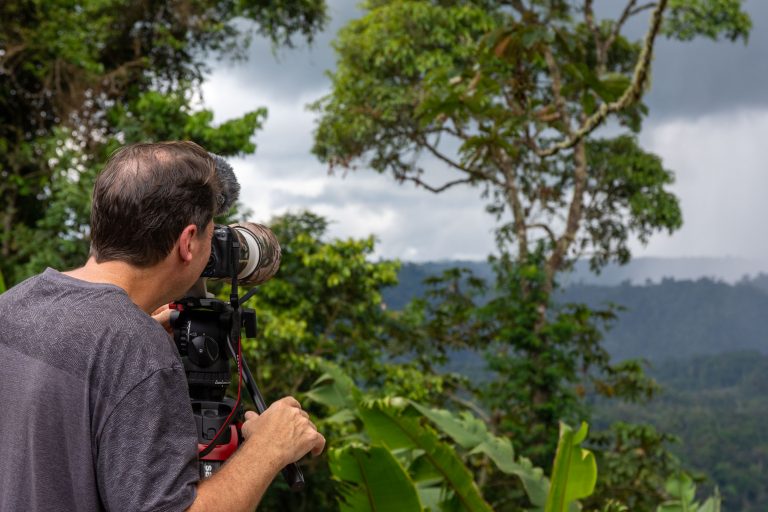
{"points": [[247, 250], [259, 253]]}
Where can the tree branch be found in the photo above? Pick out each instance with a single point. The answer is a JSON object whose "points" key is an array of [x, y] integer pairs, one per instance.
{"points": [[9, 52], [545, 227], [631, 95], [589, 20], [435, 190], [563, 244], [513, 199], [602, 49], [629, 11], [473, 173], [557, 86]]}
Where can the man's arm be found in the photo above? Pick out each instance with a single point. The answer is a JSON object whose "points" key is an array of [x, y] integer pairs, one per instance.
{"points": [[281, 435]]}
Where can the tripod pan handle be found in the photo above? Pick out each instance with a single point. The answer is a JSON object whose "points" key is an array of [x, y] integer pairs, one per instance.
{"points": [[294, 477]]}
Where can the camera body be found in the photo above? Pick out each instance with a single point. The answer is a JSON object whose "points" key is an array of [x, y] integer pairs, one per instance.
{"points": [[225, 253], [246, 251]]}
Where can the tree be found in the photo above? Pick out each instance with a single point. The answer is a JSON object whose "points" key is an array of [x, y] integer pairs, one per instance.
{"points": [[507, 96], [78, 78]]}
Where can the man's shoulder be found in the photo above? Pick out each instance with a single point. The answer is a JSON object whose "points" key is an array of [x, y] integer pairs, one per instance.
{"points": [[83, 327]]}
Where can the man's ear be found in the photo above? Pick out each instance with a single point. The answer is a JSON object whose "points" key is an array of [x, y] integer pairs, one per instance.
{"points": [[186, 239]]}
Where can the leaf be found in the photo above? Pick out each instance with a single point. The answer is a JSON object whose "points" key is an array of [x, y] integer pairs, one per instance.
{"points": [[682, 490], [376, 480], [574, 473], [472, 434], [341, 417], [333, 388], [386, 422]]}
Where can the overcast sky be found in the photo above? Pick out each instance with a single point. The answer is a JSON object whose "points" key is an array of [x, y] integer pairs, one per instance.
{"points": [[708, 121]]}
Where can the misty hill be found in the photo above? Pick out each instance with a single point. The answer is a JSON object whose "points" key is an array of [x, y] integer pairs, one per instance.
{"points": [[670, 318], [677, 319], [641, 270]]}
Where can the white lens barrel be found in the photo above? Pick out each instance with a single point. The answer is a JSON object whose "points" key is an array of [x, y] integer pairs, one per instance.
{"points": [[263, 253]]}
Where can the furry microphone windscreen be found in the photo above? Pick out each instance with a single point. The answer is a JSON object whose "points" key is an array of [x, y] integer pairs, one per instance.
{"points": [[230, 188]]}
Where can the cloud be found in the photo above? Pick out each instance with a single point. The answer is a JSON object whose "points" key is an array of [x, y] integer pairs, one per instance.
{"points": [[289, 73], [721, 164]]}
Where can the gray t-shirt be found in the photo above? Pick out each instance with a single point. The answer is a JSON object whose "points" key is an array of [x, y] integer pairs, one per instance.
{"points": [[94, 408]]}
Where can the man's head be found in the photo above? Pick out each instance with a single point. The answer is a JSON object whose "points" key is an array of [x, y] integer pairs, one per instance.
{"points": [[145, 197]]}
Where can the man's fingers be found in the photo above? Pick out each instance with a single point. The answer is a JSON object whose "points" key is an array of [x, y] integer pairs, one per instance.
{"points": [[249, 415], [317, 449], [290, 401], [163, 316]]}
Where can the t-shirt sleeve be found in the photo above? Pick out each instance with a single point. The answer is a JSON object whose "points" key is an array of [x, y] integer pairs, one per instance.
{"points": [[147, 450]]}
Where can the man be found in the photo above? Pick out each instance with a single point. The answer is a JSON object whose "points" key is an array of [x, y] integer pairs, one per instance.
{"points": [[95, 410]]}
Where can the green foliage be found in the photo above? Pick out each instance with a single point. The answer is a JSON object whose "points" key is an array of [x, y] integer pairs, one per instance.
{"points": [[80, 80], [472, 434], [324, 301], [635, 463], [440, 470], [625, 178], [409, 453], [682, 492], [535, 374], [483, 88], [433, 467], [374, 480], [710, 18], [574, 472]]}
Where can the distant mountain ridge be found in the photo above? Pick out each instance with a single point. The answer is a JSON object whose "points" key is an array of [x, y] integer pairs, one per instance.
{"points": [[664, 317], [640, 270]]}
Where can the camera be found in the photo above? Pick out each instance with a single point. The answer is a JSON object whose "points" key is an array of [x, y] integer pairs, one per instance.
{"points": [[246, 250], [206, 332]]}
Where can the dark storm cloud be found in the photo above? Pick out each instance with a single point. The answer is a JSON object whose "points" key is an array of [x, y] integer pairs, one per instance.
{"points": [[291, 73], [700, 77], [689, 78]]}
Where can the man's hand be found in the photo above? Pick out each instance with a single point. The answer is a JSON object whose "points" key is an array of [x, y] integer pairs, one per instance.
{"points": [[163, 316], [286, 429], [281, 435]]}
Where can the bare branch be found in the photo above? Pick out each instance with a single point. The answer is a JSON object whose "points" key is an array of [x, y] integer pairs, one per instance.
{"points": [[563, 244], [589, 20], [630, 96], [473, 173], [554, 72], [418, 181], [545, 227], [642, 8], [629, 11], [602, 49], [513, 199]]}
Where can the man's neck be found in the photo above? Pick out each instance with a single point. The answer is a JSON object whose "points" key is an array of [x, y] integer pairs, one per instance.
{"points": [[145, 287]]}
